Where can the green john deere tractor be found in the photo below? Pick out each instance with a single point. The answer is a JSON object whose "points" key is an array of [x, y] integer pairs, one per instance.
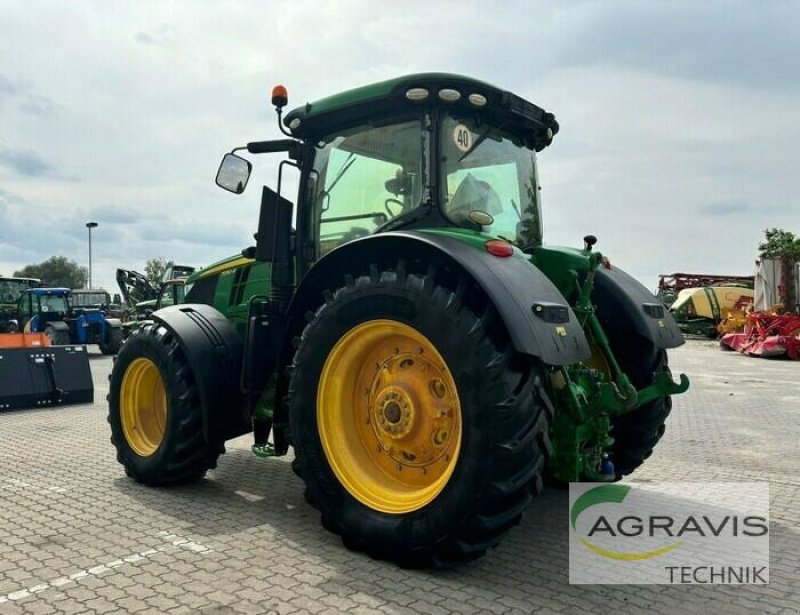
{"points": [[404, 329]]}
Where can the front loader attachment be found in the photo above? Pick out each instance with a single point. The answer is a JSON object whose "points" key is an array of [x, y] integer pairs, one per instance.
{"points": [[34, 374]]}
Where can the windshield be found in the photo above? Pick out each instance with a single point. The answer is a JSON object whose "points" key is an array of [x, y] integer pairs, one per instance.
{"points": [[489, 170], [53, 303], [364, 177], [88, 299], [10, 290], [171, 294]]}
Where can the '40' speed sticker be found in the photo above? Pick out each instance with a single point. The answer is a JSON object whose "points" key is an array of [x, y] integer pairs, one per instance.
{"points": [[462, 137]]}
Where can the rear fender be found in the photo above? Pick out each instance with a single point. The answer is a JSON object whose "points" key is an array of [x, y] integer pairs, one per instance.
{"points": [[625, 305], [513, 285], [58, 325], [213, 350]]}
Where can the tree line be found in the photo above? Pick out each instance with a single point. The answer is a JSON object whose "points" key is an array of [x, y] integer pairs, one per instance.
{"points": [[60, 272]]}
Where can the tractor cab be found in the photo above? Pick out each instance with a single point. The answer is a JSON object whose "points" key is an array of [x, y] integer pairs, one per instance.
{"points": [[171, 292], [424, 151], [11, 290], [39, 306], [369, 178]]}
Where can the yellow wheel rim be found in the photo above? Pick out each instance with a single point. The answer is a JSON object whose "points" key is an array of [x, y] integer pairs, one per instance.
{"points": [[143, 407], [389, 416]]}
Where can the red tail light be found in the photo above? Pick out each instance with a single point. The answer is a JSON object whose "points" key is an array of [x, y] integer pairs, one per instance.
{"points": [[498, 247]]}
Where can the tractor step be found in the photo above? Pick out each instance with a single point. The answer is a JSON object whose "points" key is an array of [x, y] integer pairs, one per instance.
{"points": [[264, 450], [40, 376]]}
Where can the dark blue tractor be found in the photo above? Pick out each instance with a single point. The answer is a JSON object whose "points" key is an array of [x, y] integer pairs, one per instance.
{"points": [[48, 310]]}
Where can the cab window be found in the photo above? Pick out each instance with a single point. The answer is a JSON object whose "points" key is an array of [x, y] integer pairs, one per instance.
{"points": [[53, 303], [365, 177], [489, 171], [202, 290]]}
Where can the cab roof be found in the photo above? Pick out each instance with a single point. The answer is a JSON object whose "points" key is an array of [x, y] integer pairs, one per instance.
{"points": [[390, 97], [17, 279], [48, 291]]}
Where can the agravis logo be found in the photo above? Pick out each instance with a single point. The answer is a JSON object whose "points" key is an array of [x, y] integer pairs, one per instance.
{"points": [[644, 533], [615, 494]]}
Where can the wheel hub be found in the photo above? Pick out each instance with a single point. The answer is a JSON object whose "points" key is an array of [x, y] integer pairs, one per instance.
{"points": [[410, 410], [393, 413]]}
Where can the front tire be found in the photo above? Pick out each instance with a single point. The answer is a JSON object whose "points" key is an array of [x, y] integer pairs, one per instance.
{"points": [[417, 430], [114, 341], [154, 412]]}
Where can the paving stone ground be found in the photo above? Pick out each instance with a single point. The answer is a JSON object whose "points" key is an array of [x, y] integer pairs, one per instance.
{"points": [[78, 536]]}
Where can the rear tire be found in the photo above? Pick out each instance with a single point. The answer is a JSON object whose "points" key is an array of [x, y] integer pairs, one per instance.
{"points": [[502, 423], [57, 337], [636, 433], [154, 412]]}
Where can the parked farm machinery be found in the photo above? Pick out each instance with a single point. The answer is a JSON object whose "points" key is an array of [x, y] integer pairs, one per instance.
{"points": [[143, 298], [768, 334], [404, 329], [700, 311], [670, 284], [11, 290], [49, 311]]}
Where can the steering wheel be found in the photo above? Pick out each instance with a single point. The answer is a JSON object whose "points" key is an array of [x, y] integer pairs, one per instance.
{"points": [[355, 232], [393, 201]]}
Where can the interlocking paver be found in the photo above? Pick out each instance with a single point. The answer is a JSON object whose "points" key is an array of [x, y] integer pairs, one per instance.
{"points": [[77, 536]]}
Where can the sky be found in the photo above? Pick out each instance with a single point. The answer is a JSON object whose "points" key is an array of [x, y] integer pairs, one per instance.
{"points": [[680, 121]]}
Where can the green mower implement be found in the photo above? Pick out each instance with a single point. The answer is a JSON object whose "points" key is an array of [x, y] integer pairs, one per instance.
{"points": [[403, 329]]}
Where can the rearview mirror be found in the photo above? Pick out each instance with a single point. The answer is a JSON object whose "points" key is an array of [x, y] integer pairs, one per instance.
{"points": [[234, 171]]}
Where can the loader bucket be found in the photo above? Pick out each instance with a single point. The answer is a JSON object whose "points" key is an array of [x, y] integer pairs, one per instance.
{"points": [[37, 376], [23, 340]]}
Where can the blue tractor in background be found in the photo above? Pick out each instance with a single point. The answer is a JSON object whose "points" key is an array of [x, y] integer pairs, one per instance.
{"points": [[48, 311]]}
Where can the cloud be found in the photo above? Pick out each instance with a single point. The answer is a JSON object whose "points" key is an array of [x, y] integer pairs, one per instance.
{"points": [[26, 163], [733, 42], [27, 100], [727, 208], [115, 214], [162, 36], [8, 87], [38, 105]]}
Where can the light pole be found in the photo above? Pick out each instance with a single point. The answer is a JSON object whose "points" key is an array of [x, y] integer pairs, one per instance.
{"points": [[90, 226]]}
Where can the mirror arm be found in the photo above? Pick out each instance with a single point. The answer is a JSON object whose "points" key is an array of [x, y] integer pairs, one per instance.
{"points": [[291, 146]]}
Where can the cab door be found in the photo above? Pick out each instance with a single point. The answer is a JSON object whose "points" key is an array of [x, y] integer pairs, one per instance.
{"points": [[25, 311]]}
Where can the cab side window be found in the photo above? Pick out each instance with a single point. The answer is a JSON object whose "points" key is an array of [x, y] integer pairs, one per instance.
{"points": [[202, 291], [366, 176]]}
